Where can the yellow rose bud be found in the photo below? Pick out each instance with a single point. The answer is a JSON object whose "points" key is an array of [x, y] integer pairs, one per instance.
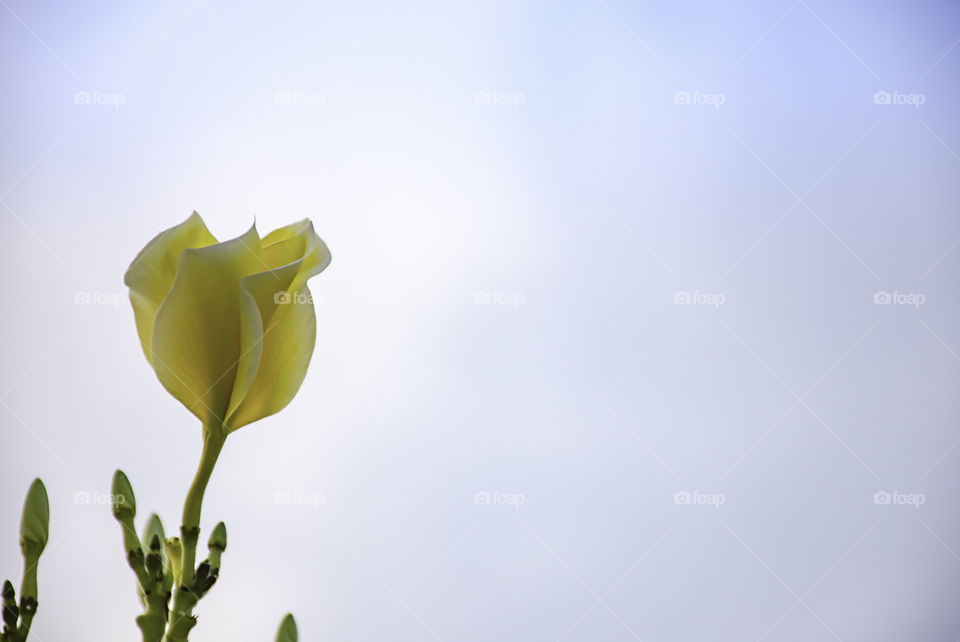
{"points": [[228, 327]]}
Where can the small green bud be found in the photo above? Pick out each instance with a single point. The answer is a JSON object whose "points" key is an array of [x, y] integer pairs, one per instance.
{"points": [[218, 538], [153, 530], [211, 579], [203, 579], [288, 630], [123, 501], [35, 524], [157, 560], [216, 545], [154, 564], [203, 571], [11, 612], [175, 554]]}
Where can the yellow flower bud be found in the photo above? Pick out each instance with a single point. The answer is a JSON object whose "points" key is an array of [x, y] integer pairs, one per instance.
{"points": [[228, 327]]}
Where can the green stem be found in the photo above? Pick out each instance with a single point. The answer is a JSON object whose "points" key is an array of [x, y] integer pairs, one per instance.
{"points": [[28, 587], [28, 598], [154, 619], [181, 619], [134, 551], [190, 527]]}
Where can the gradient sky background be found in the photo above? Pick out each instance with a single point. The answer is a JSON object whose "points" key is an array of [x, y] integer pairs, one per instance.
{"points": [[514, 195]]}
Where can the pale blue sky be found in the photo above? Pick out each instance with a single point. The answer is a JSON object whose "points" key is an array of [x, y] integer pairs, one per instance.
{"points": [[519, 198]]}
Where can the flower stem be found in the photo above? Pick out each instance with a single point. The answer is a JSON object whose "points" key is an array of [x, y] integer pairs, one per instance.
{"points": [[184, 599], [28, 599], [190, 526], [154, 619]]}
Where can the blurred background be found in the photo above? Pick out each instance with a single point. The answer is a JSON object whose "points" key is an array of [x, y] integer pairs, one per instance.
{"points": [[641, 322]]}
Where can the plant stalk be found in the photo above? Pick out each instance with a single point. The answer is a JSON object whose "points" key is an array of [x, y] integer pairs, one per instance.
{"points": [[184, 599]]}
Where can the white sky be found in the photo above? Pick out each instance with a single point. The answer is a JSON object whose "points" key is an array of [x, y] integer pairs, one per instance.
{"points": [[534, 156]]}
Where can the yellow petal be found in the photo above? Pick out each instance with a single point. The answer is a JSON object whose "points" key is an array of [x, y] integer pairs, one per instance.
{"points": [[285, 232], [251, 348], [317, 259], [288, 320], [260, 296], [287, 348], [297, 242], [152, 273], [197, 333]]}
